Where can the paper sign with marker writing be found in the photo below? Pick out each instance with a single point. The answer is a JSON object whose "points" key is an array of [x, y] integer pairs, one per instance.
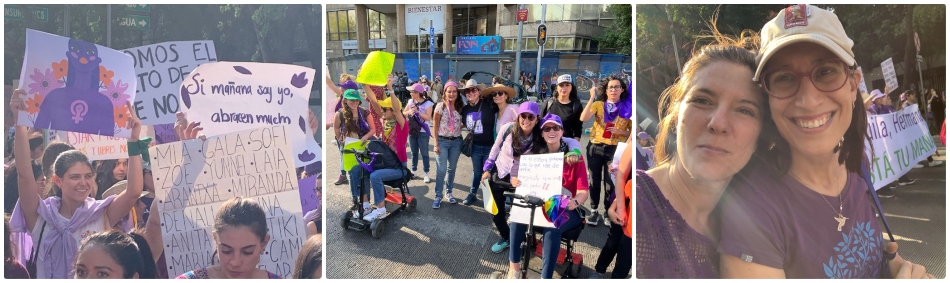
{"points": [[159, 70], [194, 178], [900, 140], [540, 175], [863, 87], [890, 75], [75, 86], [308, 193], [226, 97], [646, 123], [165, 133], [95, 147]]}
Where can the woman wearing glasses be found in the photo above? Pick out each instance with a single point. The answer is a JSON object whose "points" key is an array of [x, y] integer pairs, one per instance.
{"points": [[611, 109], [809, 214]]}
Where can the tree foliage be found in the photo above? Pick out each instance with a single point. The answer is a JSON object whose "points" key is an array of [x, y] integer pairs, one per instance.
{"points": [[617, 36], [252, 32]]}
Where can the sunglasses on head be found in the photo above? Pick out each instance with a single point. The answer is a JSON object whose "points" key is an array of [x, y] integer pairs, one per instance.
{"points": [[528, 116], [551, 128]]}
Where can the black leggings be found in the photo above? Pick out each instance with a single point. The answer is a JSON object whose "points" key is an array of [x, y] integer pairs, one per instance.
{"points": [[618, 245], [599, 157], [498, 188]]}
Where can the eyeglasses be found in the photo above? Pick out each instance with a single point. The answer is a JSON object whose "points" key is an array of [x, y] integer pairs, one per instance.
{"points": [[498, 93], [528, 116], [827, 76], [552, 128], [615, 87]]}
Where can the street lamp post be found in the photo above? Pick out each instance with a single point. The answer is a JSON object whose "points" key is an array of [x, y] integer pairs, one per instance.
{"points": [[537, 73], [518, 43]]}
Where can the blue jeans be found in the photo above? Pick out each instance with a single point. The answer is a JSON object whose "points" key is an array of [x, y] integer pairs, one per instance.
{"points": [[381, 175], [479, 155], [356, 175], [448, 159], [419, 143], [552, 243]]}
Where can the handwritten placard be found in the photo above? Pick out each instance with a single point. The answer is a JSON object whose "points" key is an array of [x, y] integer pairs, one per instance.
{"points": [[540, 175], [95, 147], [165, 133], [159, 70], [233, 96], [308, 193], [194, 177], [76, 86], [890, 76], [900, 140]]}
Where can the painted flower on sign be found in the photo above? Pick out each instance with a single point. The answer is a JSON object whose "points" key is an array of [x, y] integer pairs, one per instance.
{"points": [[116, 93], [33, 103], [105, 76], [60, 69], [121, 115], [43, 83]]}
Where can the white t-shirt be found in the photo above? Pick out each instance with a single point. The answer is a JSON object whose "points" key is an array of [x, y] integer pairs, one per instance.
{"points": [[423, 108]]}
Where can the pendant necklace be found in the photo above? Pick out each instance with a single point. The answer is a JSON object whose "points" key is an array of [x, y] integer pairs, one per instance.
{"points": [[840, 218]]}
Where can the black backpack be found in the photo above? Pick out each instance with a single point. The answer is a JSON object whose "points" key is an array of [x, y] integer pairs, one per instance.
{"points": [[386, 158]]}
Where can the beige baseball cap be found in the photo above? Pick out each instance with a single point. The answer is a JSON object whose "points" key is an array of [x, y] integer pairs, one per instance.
{"points": [[803, 23]]}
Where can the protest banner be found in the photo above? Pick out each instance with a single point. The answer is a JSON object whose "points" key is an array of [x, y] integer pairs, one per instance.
{"points": [[95, 147], [890, 76], [900, 140], [160, 69], [225, 97], [194, 177], [75, 86], [540, 176], [165, 133]]}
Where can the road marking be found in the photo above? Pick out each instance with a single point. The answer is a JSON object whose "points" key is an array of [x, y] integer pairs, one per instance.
{"points": [[906, 217]]}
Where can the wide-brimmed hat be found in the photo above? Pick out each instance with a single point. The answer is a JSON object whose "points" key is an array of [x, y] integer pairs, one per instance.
{"points": [[803, 23], [472, 83], [866, 97], [351, 94], [499, 87], [119, 188], [386, 103]]}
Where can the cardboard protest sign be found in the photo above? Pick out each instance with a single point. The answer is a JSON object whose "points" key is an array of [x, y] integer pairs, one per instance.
{"points": [[900, 140], [890, 76], [194, 177], [540, 175], [376, 68], [308, 193], [863, 87], [165, 133], [160, 69], [95, 147], [646, 123], [226, 97], [75, 86]]}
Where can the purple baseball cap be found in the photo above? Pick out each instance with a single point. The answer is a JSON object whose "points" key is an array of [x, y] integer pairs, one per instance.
{"points": [[348, 85], [643, 135], [528, 107], [417, 87], [551, 118]]}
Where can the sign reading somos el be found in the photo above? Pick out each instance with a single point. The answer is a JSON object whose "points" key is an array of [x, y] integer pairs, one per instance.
{"points": [[194, 177], [900, 140], [420, 15], [160, 69]]}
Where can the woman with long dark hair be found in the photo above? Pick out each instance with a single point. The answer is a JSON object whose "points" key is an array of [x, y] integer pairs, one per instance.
{"points": [[610, 106]]}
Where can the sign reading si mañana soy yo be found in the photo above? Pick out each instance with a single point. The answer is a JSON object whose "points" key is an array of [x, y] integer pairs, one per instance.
{"points": [[900, 140], [227, 97], [194, 178]]}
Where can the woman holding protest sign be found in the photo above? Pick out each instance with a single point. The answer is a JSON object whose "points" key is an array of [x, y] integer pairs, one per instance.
{"points": [[115, 255], [353, 122], [708, 131], [240, 235], [419, 112], [448, 145], [772, 226], [395, 133], [58, 223], [610, 107], [573, 179]]}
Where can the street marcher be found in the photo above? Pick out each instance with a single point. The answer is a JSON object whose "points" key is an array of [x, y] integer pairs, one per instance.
{"points": [[568, 105], [447, 117], [419, 112], [608, 105], [113, 254], [480, 120]]}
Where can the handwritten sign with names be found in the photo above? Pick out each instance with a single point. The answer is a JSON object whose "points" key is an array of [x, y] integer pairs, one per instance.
{"points": [[890, 76], [75, 86], [226, 97], [194, 177], [159, 70], [540, 175], [95, 147]]}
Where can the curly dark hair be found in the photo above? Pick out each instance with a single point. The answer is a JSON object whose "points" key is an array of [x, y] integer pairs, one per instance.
{"points": [[602, 87]]}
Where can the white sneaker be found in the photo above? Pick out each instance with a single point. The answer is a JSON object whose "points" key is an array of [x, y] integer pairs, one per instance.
{"points": [[935, 163], [426, 178], [378, 213], [918, 166]]}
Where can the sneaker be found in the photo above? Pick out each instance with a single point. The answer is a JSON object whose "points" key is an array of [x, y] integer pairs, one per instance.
{"points": [[935, 163], [378, 213], [451, 199], [470, 199], [909, 182], [593, 218], [426, 178], [885, 194], [415, 174], [500, 246], [514, 274], [341, 180], [918, 166], [437, 203], [366, 211], [893, 186], [598, 276]]}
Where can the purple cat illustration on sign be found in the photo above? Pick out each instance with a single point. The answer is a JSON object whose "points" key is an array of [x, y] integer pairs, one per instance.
{"points": [[72, 106]]}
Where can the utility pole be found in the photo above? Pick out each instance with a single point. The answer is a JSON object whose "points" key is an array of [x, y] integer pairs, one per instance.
{"points": [[537, 75], [66, 20], [679, 67], [431, 49], [518, 42], [109, 25]]}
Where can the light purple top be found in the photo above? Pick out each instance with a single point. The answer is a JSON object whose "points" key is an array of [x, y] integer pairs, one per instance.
{"points": [[666, 246], [501, 154], [780, 223]]}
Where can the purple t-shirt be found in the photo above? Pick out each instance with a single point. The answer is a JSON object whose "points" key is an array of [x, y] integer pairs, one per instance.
{"points": [[780, 223], [666, 246]]}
